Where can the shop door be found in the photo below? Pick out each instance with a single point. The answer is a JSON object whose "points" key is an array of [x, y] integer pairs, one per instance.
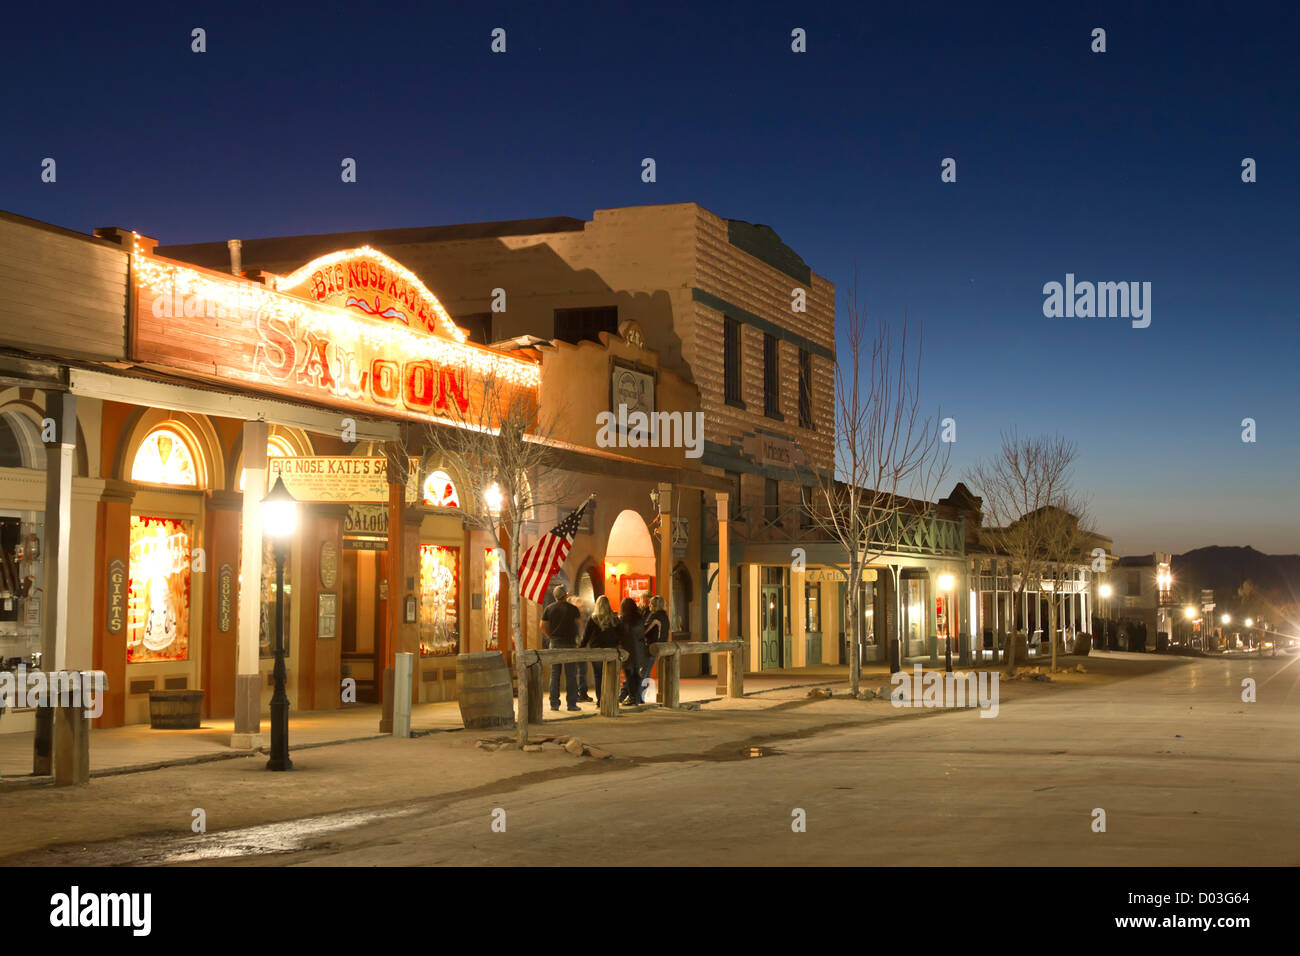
{"points": [[770, 632]]}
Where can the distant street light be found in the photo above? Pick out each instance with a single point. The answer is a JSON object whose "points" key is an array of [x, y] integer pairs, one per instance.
{"points": [[1189, 612], [1226, 619]]}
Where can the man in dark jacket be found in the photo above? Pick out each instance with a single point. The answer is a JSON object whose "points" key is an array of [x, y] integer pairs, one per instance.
{"points": [[560, 625], [632, 641]]}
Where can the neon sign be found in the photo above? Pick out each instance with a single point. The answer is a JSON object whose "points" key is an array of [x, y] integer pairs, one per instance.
{"points": [[325, 347]]}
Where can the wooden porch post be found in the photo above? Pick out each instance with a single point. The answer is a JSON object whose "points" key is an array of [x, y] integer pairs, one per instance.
{"points": [[724, 585]]}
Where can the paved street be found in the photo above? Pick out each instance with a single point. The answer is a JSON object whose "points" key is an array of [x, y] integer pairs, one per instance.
{"points": [[1185, 771]]}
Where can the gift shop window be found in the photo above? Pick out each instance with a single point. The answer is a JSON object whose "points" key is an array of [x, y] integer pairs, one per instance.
{"points": [[20, 588], [492, 571], [439, 600], [158, 590]]}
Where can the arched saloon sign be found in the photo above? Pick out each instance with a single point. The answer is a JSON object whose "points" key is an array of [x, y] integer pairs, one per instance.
{"points": [[353, 329]]}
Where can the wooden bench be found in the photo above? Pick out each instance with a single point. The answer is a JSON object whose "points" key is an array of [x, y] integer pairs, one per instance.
{"points": [[670, 653], [611, 657]]}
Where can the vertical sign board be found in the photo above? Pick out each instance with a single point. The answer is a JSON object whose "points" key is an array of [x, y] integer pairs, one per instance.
{"points": [[225, 598], [116, 616]]}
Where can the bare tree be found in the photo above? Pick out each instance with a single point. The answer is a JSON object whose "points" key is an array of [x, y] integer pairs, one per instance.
{"points": [[1067, 535], [888, 461], [1025, 486], [506, 466]]}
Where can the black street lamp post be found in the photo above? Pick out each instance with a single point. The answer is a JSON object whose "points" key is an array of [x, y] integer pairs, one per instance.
{"points": [[279, 512]]}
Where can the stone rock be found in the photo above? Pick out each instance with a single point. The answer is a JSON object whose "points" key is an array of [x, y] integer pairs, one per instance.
{"points": [[1080, 669], [1042, 677], [484, 745], [508, 745], [574, 746], [596, 752], [532, 748]]}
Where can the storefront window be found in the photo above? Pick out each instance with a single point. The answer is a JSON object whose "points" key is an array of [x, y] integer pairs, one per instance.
{"points": [[440, 492], [165, 458], [158, 590], [20, 588], [439, 600], [868, 606], [813, 608], [266, 632], [491, 595], [914, 611]]}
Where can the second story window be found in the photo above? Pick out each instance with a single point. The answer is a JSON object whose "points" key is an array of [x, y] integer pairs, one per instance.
{"points": [[805, 389], [585, 325], [771, 376], [772, 501], [731, 360]]}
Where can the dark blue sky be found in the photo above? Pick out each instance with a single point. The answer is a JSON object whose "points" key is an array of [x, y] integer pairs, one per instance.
{"points": [[1116, 166]]}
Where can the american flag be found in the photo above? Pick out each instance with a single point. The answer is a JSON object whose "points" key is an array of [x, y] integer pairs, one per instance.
{"points": [[545, 557]]}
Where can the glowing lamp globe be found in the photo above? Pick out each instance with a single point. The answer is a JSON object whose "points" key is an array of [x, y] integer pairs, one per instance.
{"points": [[945, 582], [279, 511]]}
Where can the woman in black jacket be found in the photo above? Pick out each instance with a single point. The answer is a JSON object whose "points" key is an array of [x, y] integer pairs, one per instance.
{"points": [[657, 631], [632, 641], [603, 630]]}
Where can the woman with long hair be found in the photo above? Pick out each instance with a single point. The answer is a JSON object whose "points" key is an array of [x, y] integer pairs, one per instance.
{"points": [[603, 630]]}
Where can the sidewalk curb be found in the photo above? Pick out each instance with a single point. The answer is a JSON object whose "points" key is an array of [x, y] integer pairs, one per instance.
{"points": [[28, 781]]}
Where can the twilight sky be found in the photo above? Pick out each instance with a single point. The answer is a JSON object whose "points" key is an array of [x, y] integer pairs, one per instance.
{"points": [[1122, 166]]}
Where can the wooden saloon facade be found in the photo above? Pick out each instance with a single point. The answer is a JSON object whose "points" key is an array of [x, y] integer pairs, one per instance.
{"points": [[146, 405], [150, 395]]}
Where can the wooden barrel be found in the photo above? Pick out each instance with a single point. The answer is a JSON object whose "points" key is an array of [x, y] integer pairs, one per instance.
{"points": [[483, 690], [175, 709]]}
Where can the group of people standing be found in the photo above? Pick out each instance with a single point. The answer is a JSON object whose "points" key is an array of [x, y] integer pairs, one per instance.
{"points": [[634, 629]]}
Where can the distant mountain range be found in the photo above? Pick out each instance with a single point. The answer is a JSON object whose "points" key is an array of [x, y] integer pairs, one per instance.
{"points": [[1224, 570]]}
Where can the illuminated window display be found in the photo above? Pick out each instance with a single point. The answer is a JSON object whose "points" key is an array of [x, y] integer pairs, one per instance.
{"points": [[266, 635], [439, 600], [491, 595], [20, 588], [439, 491], [914, 612], [158, 590], [165, 458]]}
